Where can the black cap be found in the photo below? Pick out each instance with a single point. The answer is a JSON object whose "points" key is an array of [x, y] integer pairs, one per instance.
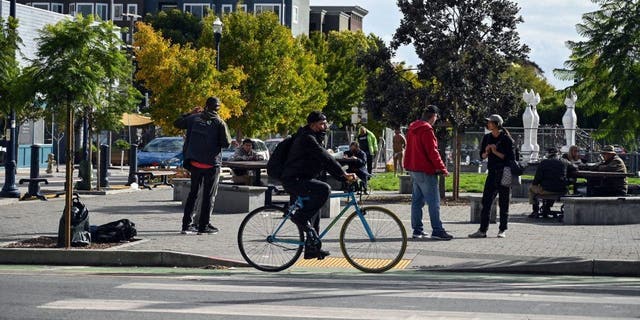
{"points": [[213, 103], [431, 109], [315, 116]]}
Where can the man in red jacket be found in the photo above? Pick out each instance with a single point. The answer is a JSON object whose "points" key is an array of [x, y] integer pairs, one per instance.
{"points": [[424, 164]]}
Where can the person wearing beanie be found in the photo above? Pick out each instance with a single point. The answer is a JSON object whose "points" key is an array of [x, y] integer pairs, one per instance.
{"points": [[207, 134], [306, 160], [551, 179]]}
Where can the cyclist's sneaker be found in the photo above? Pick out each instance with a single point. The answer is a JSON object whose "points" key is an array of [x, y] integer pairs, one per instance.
{"points": [[441, 235], [208, 230], [478, 234], [420, 235], [189, 230], [313, 249]]}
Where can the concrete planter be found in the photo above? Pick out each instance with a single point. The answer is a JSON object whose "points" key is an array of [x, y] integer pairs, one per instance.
{"points": [[406, 184]]}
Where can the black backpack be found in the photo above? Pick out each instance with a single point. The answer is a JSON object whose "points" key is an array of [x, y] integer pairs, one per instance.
{"points": [[80, 229], [116, 231], [277, 159]]}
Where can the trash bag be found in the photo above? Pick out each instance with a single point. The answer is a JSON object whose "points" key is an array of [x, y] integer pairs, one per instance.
{"points": [[80, 229], [116, 231]]}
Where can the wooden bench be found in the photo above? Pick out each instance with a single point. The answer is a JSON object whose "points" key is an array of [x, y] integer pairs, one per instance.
{"points": [[601, 210], [144, 178], [476, 207]]}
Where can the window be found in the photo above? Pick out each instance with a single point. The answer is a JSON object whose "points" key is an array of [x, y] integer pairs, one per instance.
{"points": [[117, 11], [102, 11], [132, 9], [72, 9], [41, 5], [84, 9], [260, 8], [168, 7], [57, 7], [242, 7], [226, 9], [294, 14], [196, 9]]}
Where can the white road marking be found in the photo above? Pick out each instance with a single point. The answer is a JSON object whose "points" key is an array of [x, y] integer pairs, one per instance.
{"points": [[481, 295], [266, 310]]}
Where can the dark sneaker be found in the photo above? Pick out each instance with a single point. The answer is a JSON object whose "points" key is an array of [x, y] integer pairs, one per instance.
{"points": [[478, 234], [212, 228], [208, 230], [533, 215], [420, 235], [313, 249], [441, 235], [189, 230]]}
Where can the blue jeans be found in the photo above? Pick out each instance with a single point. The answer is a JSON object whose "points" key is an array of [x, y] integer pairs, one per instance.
{"points": [[425, 190]]}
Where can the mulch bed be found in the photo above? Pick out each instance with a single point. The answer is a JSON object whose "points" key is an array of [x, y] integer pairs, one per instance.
{"points": [[52, 242]]}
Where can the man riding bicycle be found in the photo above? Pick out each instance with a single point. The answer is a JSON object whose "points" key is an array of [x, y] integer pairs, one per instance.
{"points": [[306, 160]]}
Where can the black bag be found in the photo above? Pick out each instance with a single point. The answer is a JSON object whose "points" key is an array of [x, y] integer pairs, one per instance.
{"points": [[80, 229], [116, 231], [277, 159], [516, 169]]}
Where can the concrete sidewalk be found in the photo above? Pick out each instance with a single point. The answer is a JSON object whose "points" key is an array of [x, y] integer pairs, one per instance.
{"points": [[531, 246]]}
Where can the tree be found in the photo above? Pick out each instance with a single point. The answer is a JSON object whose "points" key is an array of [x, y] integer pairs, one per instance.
{"points": [[283, 81], [77, 62], [175, 25], [394, 93], [182, 77], [466, 46], [340, 54], [605, 68]]}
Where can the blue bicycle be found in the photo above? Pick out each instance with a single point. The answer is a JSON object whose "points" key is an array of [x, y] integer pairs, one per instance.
{"points": [[372, 239]]}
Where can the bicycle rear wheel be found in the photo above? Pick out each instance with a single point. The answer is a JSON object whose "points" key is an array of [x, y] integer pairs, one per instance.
{"points": [[382, 252], [261, 248]]}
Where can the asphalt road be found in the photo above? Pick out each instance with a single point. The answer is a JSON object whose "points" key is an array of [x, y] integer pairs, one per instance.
{"points": [[30, 292]]}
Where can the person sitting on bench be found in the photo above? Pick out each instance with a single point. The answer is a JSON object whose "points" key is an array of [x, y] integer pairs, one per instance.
{"points": [[358, 163], [608, 187], [244, 153], [550, 180]]}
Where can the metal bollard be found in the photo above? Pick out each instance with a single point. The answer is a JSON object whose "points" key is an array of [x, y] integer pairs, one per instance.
{"points": [[104, 165], [133, 164], [34, 175]]}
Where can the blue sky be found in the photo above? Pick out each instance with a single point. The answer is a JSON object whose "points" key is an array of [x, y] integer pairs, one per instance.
{"points": [[547, 25]]}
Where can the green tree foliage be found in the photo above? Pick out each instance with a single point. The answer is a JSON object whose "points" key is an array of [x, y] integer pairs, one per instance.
{"points": [[80, 64], [182, 78], [16, 88], [284, 83], [466, 46], [340, 54], [178, 26], [394, 93], [605, 68]]}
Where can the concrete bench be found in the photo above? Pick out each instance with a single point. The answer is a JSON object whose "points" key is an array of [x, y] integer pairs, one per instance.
{"points": [[521, 190], [475, 203], [601, 210], [406, 185], [233, 198], [331, 208]]}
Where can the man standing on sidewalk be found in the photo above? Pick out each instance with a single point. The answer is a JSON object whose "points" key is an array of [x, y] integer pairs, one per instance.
{"points": [[206, 135], [423, 162], [399, 144]]}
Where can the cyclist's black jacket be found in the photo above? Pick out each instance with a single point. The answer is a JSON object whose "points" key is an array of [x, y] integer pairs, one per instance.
{"points": [[307, 158]]}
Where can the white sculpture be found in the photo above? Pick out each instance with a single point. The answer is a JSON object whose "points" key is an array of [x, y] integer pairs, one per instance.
{"points": [[527, 122], [570, 121], [536, 124]]}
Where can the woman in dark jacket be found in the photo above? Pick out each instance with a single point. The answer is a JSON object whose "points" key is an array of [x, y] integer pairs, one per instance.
{"points": [[497, 147]]}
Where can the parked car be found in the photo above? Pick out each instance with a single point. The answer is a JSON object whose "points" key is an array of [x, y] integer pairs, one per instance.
{"points": [[339, 152], [258, 146], [164, 152], [272, 143]]}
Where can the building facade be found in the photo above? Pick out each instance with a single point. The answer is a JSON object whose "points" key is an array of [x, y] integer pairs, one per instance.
{"points": [[336, 18]]}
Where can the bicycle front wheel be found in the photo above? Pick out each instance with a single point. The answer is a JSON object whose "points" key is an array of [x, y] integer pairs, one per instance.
{"points": [[378, 251], [262, 247]]}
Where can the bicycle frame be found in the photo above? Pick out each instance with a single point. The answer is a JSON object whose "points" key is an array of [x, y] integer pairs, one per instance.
{"points": [[299, 204]]}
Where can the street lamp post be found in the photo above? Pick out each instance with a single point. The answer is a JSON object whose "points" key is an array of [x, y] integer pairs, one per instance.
{"points": [[217, 32], [9, 189]]}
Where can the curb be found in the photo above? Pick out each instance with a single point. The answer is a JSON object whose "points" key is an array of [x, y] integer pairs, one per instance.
{"points": [[112, 258], [595, 267]]}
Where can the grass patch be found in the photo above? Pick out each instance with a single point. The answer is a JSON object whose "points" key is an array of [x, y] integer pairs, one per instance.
{"points": [[469, 182]]}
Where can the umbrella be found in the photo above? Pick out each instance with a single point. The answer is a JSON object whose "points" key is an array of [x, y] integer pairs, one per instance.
{"points": [[134, 119]]}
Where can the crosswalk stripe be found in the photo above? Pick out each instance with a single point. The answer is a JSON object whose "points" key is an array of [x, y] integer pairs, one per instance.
{"points": [[608, 300], [281, 311]]}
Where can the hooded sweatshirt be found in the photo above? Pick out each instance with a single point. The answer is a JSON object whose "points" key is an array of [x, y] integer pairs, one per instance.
{"points": [[422, 153]]}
